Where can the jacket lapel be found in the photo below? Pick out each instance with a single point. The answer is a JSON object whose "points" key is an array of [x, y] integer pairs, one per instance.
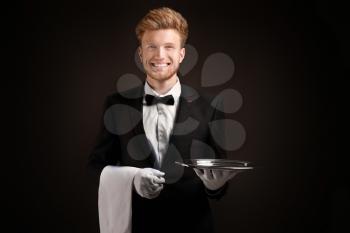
{"points": [[136, 103], [183, 116], [138, 130]]}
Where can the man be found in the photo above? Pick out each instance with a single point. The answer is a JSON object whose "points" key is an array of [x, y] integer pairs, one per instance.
{"points": [[152, 126]]}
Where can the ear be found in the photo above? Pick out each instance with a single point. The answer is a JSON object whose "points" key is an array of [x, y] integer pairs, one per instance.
{"points": [[139, 50], [182, 54]]}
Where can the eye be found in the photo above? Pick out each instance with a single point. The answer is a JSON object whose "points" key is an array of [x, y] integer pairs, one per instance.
{"points": [[169, 47], [151, 46]]}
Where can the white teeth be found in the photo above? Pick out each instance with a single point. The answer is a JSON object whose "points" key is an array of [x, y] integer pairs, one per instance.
{"points": [[160, 65]]}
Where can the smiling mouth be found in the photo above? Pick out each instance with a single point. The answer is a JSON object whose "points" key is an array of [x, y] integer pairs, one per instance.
{"points": [[160, 65]]}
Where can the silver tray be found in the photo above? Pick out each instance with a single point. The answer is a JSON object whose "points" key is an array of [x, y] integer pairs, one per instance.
{"points": [[220, 164]]}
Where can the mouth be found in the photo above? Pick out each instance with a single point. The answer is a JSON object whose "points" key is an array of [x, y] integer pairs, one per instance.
{"points": [[160, 65]]}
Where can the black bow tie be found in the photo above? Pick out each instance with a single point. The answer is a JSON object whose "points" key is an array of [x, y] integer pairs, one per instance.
{"points": [[168, 99]]}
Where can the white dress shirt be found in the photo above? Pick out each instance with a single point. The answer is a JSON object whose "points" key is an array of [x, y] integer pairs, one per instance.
{"points": [[158, 120]]}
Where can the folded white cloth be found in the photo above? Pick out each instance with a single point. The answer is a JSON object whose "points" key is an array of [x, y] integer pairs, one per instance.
{"points": [[115, 199]]}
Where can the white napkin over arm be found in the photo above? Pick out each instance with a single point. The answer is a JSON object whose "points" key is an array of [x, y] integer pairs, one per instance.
{"points": [[115, 199]]}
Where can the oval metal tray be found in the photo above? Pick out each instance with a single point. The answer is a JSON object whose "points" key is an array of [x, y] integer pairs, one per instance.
{"points": [[220, 164]]}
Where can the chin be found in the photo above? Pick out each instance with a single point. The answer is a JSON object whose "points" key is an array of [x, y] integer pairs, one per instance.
{"points": [[161, 77]]}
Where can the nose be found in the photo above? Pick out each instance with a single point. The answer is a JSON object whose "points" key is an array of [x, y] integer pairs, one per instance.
{"points": [[160, 53]]}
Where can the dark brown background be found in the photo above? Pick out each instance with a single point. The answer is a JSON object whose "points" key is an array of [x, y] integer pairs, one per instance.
{"points": [[290, 60]]}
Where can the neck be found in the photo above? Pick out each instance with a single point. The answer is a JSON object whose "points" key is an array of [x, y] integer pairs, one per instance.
{"points": [[163, 86]]}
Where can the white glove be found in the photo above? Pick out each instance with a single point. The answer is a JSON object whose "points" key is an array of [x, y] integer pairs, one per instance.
{"points": [[148, 182], [215, 179]]}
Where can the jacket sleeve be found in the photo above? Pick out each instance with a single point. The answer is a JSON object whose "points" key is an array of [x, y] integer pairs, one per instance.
{"points": [[217, 194], [107, 148]]}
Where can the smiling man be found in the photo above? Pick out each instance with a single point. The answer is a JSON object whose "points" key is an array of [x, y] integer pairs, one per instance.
{"points": [[165, 196], [161, 52]]}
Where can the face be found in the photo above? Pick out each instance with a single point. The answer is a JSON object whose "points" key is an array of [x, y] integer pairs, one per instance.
{"points": [[161, 54]]}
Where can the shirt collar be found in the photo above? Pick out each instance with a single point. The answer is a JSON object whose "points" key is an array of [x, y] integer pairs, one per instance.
{"points": [[175, 91]]}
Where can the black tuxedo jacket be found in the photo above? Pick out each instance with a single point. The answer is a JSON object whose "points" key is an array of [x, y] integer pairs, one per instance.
{"points": [[182, 205]]}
